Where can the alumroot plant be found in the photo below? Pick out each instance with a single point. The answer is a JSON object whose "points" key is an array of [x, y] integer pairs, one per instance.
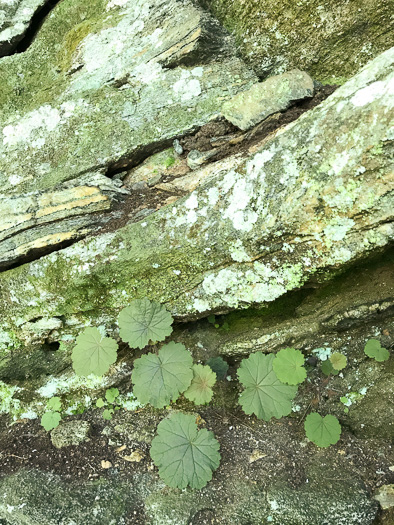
{"points": [[185, 455]]}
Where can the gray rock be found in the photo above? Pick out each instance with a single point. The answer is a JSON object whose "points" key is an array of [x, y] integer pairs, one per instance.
{"points": [[385, 496], [155, 180], [114, 94], [177, 147], [15, 18], [303, 204], [139, 186], [250, 107], [196, 159], [70, 433]]}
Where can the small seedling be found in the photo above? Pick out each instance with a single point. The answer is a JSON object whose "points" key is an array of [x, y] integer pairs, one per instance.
{"points": [[328, 369], [200, 391], [111, 394], [107, 414], [54, 404], [374, 350], [50, 420], [338, 361], [100, 403]]}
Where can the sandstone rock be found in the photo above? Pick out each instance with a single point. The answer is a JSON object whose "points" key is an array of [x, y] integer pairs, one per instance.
{"points": [[250, 107]]}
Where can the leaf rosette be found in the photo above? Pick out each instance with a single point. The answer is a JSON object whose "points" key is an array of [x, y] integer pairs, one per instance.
{"points": [[374, 350]]}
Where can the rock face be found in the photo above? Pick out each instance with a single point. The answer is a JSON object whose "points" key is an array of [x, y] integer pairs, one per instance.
{"points": [[15, 18], [313, 198], [330, 40], [140, 156]]}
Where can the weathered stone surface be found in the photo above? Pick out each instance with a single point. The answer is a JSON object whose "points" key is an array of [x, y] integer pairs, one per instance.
{"points": [[120, 84], [330, 40], [316, 197], [385, 496], [15, 19], [70, 433], [250, 107], [28, 494], [278, 235], [38, 221]]}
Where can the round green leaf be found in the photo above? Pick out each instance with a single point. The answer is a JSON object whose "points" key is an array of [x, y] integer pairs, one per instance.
{"points": [[323, 431], [328, 369], [158, 379], [200, 390], [219, 366], [144, 321], [93, 353], [184, 455], [107, 413], [111, 394], [288, 366], [100, 402], [264, 394], [54, 404], [50, 420], [338, 361], [375, 351]]}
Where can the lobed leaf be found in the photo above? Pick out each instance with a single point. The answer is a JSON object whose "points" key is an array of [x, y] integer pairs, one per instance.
{"points": [[288, 366], [184, 455], [264, 394], [374, 350], [200, 390], [323, 431], [111, 394], [328, 369], [54, 404], [50, 420], [93, 353], [143, 321], [107, 413], [159, 379]]}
